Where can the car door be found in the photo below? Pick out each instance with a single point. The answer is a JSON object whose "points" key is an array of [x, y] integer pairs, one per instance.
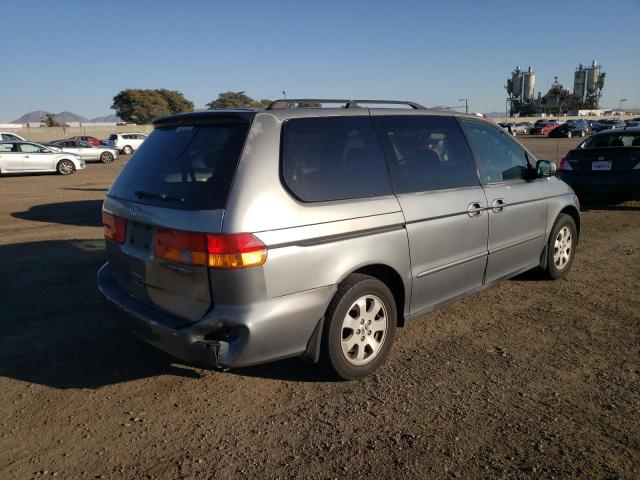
{"points": [[36, 158], [435, 180], [10, 157], [517, 201]]}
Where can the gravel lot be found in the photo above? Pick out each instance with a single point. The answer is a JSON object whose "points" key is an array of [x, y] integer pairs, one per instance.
{"points": [[529, 379]]}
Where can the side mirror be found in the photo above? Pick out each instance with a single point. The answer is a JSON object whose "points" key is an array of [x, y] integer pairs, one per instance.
{"points": [[545, 168]]}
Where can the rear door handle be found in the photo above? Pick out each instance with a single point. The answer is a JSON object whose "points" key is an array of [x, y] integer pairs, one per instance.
{"points": [[497, 205], [474, 209]]}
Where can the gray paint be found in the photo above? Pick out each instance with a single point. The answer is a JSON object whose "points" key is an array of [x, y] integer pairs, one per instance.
{"points": [[439, 249]]}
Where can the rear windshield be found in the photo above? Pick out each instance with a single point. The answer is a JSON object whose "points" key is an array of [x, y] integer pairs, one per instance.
{"points": [[187, 167]]}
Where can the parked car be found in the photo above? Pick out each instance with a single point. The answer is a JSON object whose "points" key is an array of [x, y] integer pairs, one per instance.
{"points": [[11, 137], [241, 237], [543, 127], [126, 143], [606, 163], [570, 128], [606, 125], [86, 151], [87, 139], [632, 123], [514, 128], [21, 157]]}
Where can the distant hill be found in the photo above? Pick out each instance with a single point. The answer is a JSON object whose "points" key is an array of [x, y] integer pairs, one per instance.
{"points": [[62, 117], [106, 119]]}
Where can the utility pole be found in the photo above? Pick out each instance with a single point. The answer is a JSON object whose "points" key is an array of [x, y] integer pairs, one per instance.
{"points": [[238, 98], [466, 104]]}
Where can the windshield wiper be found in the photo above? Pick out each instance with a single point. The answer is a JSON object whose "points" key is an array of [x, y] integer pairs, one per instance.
{"points": [[158, 196]]}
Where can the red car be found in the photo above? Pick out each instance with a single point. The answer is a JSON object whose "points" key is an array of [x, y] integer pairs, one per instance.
{"points": [[90, 140], [543, 127]]}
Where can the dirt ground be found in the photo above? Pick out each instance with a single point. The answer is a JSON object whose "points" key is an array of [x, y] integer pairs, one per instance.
{"points": [[529, 379]]}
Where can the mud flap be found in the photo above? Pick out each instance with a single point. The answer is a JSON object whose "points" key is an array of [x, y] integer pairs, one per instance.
{"points": [[312, 353]]}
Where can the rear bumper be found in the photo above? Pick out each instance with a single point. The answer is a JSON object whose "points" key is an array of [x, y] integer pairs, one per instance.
{"points": [[228, 335], [624, 182]]}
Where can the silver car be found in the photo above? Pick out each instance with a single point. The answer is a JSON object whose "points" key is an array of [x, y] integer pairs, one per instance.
{"points": [[236, 237], [87, 151], [26, 157]]}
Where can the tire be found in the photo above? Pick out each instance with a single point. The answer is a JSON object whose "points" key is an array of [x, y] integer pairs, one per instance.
{"points": [[346, 353], [582, 133], [106, 157], [559, 259], [65, 167], [127, 150], [569, 134]]}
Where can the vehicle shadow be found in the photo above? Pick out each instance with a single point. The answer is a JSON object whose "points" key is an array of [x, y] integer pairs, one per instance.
{"points": [[83, 213], [292, 369], [587, 207], [55, 328]]}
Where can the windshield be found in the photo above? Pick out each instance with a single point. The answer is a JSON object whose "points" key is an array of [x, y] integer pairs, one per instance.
{"points": [[187, 167]]}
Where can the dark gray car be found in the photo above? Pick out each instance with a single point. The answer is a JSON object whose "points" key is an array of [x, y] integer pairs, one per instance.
{"points": [[236, 237]]}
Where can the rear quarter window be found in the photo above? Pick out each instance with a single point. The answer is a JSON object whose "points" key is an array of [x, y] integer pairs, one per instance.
{"points": [[332, 158]]}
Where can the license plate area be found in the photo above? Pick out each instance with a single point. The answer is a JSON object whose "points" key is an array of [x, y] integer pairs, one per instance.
{"points": [[601, 165], [139, 237]]}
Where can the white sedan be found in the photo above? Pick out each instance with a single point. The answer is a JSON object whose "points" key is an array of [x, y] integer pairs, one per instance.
{"points": [[27, 157]]}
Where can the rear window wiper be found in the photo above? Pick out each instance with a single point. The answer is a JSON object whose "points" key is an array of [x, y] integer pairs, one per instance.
{"points": [[158, 196]]}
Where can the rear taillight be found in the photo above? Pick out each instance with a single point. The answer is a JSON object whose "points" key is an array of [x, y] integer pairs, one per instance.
{"points": [[215, 251], [115, 228], [565, 165]]}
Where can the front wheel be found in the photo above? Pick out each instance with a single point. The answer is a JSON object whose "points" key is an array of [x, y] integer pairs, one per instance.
{"points": [[127, 150], [65, 167], [569, 134], [561, 247], [106, 157], [359, 329], [582, 133]]}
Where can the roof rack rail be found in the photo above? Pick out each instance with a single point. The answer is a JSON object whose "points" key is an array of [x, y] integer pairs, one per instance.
{"points": [[289, 102]]}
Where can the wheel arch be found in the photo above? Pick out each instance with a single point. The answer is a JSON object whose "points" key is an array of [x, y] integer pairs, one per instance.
{"points": [[573, 213], [392, 279]]}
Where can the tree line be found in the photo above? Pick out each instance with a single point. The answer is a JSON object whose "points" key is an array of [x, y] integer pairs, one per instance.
{"points": [[135, 105]]}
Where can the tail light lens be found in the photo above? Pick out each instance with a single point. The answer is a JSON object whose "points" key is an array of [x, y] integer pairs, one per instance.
{"points": [[115, 228], [565, 165], [215, 251]]}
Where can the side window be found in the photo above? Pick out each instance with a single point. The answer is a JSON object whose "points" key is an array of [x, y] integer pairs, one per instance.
{"points": [[333, 158], [426, 153], [8, 147], [499, 158], [30, 148]]}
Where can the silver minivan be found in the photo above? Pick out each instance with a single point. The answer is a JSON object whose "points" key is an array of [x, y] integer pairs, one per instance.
{"points": [[237, 237]]}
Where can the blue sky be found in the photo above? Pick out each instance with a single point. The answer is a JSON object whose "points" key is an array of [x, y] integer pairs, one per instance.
{"points": [[76, 55]]}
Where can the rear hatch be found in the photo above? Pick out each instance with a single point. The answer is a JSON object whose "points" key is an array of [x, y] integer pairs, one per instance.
{"points": [[604, 161], [178, 180]]}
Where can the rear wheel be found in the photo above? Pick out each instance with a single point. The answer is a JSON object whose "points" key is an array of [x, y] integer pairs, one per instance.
{"points": [[569, 134], [561, 247], [582, 133], [106, 157], [127, 150], [359, 329], [65, 167]]}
